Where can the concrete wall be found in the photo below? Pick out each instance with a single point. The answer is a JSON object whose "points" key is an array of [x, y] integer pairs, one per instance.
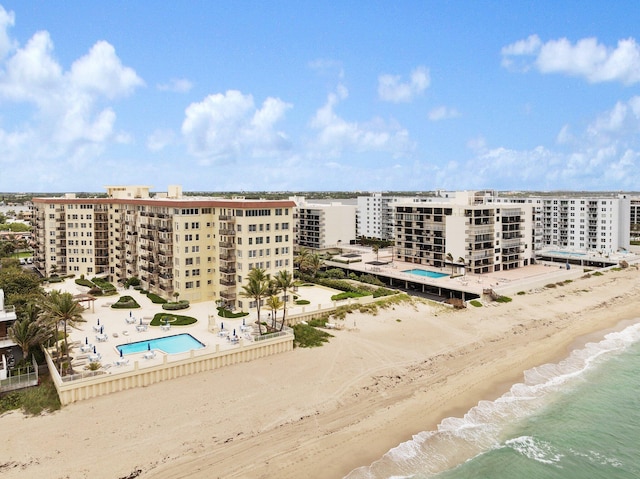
{"points": [[94, 385]]}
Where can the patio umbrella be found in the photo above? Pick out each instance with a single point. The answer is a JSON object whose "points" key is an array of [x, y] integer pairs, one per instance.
{"points": [[141, 321], [243, 322], [222, 326], [98, 321], [86, 340], [130, 314], [234, 331], [101, 329], [94, 350], [148, 346], [121, 353]]}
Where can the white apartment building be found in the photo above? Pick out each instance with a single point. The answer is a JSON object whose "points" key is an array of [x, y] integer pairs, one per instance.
{"points": [[321, 226], [579, 223], [464, 233], [199, 247]]}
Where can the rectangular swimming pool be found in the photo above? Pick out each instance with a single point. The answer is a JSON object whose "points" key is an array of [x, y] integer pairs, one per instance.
{"points": [[178, 343], [425, 273], [566, 253]]}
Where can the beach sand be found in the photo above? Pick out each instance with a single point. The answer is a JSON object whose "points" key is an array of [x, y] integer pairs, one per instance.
{"points": [[320, 412]]}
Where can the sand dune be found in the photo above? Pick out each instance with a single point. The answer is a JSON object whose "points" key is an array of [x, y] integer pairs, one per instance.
{"points": [[320, 412]]}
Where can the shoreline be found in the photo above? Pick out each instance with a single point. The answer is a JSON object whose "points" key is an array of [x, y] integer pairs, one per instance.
{"points": [[330, 409]]}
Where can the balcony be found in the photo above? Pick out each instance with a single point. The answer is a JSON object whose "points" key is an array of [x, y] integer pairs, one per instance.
{"points": [[227, 232], [228, 282]]}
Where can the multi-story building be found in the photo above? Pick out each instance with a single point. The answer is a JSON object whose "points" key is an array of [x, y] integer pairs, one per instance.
{"points": [[321, 226], [579, 223], [464, 232], [201, 248]]}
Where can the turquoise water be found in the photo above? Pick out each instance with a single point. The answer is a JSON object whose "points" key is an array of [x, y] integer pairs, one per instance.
{"points": [[178, 343], [425, 273], [578, 419], [566, 253]]}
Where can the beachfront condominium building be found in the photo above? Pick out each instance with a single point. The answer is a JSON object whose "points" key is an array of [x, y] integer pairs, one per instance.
{"points": [[464, 233], [375, 216], [201, 248], [599, 223], [321, 226]]}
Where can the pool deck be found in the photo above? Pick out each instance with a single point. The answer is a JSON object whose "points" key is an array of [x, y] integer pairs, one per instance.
{"points": [[121, 326]]}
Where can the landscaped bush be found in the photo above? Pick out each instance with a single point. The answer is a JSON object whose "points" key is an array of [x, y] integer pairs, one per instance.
{"points": [[125, 302], [103, 284], [520, 293], [550, 285], [173, 319], [173, 306], [476, 303], [155, 299], [133, 281], [336, 273], [225, 313], [380, 292], [301, 302], [347, 295], [84, 282]]}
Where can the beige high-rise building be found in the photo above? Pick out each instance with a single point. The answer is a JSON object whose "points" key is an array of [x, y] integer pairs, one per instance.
{"points": [[199, 247]]}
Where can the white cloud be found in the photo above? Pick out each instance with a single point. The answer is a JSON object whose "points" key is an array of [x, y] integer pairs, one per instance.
{"points": [[101, 72], [604, 155], [70, 121], [229, 126], [443, 113], [178, 85], [335, 136], [586, 58], [391, 88], [7, 19]]}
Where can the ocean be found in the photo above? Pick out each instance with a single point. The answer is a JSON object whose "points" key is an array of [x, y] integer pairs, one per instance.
{"points": [[577, 419]]}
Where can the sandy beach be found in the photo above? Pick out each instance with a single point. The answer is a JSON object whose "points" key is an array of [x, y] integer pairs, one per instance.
{"points": [[320, 412]]}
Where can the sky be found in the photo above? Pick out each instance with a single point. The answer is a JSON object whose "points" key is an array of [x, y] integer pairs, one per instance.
{"points": [[320, 96]]}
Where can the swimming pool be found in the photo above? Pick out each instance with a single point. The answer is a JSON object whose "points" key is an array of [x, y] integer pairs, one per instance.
{"points": [[425, 273], [566, 253], [178, 343]]}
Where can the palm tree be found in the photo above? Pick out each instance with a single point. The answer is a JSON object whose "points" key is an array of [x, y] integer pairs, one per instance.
{"points": [[301, 259], [256, 288], [274, 303], [61, 308], [28, 333], [376, 249], [284, 279], [463, 263], [313, 263], [449, 258]]}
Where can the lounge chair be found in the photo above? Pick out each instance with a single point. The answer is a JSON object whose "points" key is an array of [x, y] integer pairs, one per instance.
{"points": [[149, 355]]}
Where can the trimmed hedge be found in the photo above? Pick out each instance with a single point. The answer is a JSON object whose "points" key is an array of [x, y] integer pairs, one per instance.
{"points": [[173, 306], [155, 299], [301, 302], [125, 302], [227, 314], [172, 319], [103, 284], [84, 282]]}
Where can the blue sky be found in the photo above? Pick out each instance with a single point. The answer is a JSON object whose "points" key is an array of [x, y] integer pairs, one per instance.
{"points": [[304, 96]]}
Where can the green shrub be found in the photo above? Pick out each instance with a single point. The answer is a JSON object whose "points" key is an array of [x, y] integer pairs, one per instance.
{"points": [[347, 295], [381, 292], [84, 282], [103, 284], [125, 302], [301, 302], [520, 293], [133, 281], [476, 303], [598, 273], [155, 299], [173, 319], [550, 285], [225, 313], [173, 306], [306, 336], [503, 299], [336, 273]]}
